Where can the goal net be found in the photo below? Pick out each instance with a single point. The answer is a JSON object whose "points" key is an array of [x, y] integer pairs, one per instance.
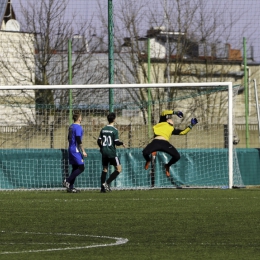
{"points": [[35, 121]]}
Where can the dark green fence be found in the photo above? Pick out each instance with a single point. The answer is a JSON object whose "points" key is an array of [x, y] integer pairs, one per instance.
{"points": [[46, 168]]}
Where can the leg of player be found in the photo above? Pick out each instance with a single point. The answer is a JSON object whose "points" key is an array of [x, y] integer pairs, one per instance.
{"points": [[118, 168], [175, 158], [112, 177], [153, 169], [148, 150], [76, 171], [103, 179]]}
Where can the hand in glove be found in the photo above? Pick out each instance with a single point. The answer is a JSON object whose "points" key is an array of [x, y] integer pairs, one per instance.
{"points": [[193, 122], [178, 114]]}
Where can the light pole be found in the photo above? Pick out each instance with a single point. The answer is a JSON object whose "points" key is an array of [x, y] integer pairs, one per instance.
{"points": [[70, 79], [111, 54]]}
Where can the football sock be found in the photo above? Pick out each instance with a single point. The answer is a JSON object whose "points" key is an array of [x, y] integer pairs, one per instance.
{"points": [[103, 178], [112, 176], [75, 172]]}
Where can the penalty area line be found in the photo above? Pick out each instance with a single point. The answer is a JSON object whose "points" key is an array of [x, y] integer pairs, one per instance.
{"points": [[118, 241]]}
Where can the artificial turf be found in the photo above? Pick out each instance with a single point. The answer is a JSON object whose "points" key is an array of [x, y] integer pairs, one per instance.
{"points": [[137, 224]]}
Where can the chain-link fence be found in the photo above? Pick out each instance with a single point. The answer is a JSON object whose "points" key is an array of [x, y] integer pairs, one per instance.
{"points": [[53, 42]]}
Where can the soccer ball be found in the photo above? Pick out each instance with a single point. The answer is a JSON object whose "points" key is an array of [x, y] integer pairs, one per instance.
{"points": [[236, 141]]}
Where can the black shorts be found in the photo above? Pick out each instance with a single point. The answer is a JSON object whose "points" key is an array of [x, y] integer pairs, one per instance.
{"points": [[112, 161]]}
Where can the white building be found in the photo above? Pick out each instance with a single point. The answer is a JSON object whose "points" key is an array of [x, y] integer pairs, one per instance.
{"points": [[17, 67]]}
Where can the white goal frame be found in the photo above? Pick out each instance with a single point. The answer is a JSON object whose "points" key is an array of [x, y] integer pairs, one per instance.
{"points": [[229, 85]]}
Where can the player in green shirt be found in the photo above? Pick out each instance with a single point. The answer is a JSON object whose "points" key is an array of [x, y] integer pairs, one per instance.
{"points": [[107, 141]]}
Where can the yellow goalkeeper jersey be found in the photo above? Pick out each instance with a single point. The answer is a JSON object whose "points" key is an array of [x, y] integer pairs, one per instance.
{"points": [[165, 130]]}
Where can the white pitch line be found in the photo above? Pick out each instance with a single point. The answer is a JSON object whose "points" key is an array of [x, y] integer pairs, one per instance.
{"points": [[119, 241]]}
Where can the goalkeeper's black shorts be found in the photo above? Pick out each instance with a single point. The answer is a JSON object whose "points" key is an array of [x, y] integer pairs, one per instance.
{"points": [[158, 145]]}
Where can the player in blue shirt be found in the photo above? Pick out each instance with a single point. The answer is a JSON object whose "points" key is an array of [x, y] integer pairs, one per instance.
{"points": [[76, 152]]}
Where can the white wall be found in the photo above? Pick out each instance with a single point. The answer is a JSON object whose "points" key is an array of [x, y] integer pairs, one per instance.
{"points": [[157, 49], [17, 67]]}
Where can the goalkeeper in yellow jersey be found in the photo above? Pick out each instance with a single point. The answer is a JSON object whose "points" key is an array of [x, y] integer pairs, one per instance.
{"points": [[162, 134]]}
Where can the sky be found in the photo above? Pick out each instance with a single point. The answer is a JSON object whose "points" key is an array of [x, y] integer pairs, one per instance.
{"points": [[245, 14]]}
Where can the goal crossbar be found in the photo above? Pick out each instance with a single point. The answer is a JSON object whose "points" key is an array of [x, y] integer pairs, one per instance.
{"points": [[99, 86]]}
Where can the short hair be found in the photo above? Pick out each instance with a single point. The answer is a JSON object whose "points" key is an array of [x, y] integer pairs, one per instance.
{"points": [[165, 118], [111, 117], [76, 115]]}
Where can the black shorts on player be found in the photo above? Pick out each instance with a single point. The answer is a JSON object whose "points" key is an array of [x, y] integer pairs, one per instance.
{"points": [[112, 161]]}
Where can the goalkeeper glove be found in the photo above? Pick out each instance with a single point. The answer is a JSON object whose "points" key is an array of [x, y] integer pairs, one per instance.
{"points": [[178, 114], [193, 122]]}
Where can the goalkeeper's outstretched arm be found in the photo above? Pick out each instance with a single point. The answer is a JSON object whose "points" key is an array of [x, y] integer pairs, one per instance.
{"points": [[166, 114], [172, 112], [193, 122]]}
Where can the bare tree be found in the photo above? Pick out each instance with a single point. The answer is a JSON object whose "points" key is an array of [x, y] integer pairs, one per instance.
{"points": [[39, 55], [193, 35]]}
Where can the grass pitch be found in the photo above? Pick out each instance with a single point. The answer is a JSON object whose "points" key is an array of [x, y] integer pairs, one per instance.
{"points": [[150, 224]]}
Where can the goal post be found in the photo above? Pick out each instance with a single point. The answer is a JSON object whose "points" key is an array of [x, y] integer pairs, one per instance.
{"points": [[34, 135]]}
